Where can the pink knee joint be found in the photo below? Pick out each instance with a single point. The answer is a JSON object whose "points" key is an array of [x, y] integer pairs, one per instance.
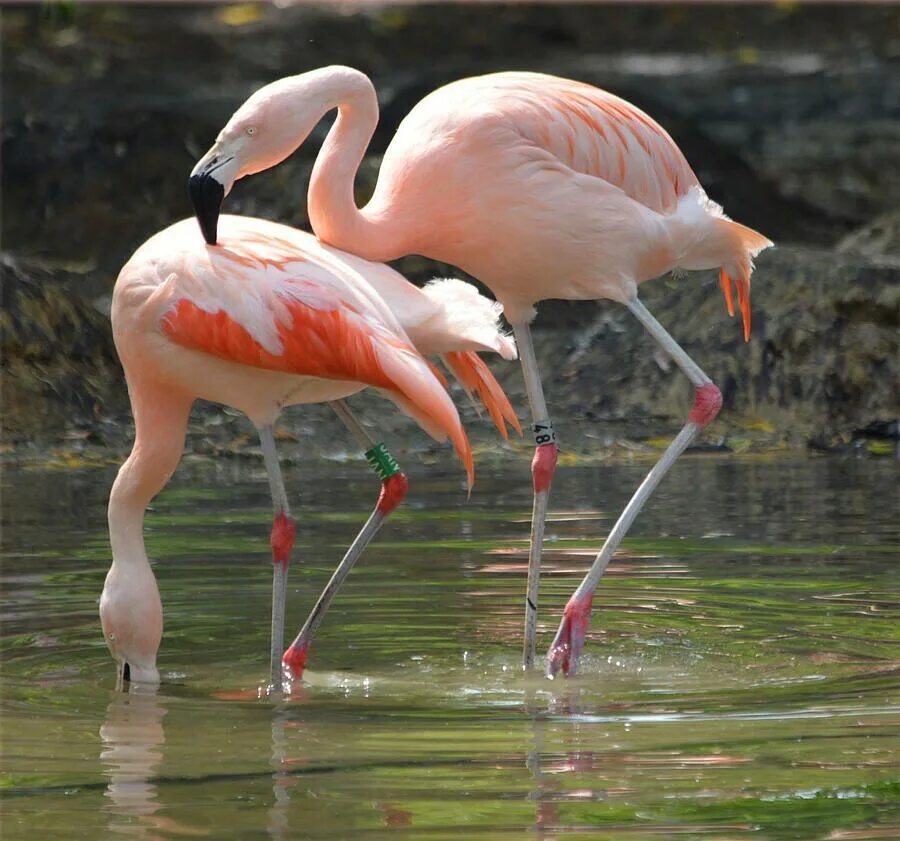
{"points": [[393, 491], [707, 402], [543, 466], [282, 540]]}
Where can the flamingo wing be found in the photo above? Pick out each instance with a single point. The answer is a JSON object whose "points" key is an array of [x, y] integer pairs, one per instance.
{"points": [[475, 377], [597, 133], [584, 128], [262, 303]]}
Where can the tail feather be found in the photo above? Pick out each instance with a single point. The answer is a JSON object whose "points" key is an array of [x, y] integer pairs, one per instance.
{"points": [[474, 375], [744, 244], [463, 319], [712, 240], [419, 393], [725, 283], [743, 292], [438, 373]]}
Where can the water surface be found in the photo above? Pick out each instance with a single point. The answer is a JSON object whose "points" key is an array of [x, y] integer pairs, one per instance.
{"points": [[740, 679]]}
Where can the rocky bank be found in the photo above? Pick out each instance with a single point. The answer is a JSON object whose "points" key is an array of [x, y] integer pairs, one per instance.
{"points": [[790, 115]]}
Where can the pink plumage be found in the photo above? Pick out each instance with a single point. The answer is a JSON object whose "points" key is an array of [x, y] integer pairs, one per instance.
{"points": [[269, 318], [538, 186]]}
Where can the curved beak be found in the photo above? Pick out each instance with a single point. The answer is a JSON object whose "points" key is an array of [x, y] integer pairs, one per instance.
{"points": [[207, 195], [209, 183]]}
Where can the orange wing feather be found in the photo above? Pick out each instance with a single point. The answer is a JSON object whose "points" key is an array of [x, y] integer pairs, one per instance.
{"points": [[318, 343], [474, 375], [597, 133], [331, 344]]}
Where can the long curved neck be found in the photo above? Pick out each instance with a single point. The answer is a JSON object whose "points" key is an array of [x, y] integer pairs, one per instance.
{"points": [[160, 424], [333, 213], [128, 499]]}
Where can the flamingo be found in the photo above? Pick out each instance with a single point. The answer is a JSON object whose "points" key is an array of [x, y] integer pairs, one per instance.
{"points": [[271, 318], [540, 187]]}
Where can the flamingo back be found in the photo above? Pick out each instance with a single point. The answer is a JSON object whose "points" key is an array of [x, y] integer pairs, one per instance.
{"points": [[570, 192], [587, 129]]}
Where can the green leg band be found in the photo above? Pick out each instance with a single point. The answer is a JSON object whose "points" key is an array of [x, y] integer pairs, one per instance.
{"points": [[382, 462]]}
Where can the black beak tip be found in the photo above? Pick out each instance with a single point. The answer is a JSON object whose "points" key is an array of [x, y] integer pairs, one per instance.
{"points": [[207, 196]]}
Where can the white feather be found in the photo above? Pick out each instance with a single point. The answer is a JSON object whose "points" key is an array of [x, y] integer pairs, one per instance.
{"points": [[463, 319]]}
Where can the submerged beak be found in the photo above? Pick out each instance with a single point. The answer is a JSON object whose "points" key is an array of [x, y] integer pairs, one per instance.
{"points": [[209, 183], [129, 675]]}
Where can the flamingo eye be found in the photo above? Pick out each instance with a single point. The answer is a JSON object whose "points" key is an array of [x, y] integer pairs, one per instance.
{"points": [[251, 130]]}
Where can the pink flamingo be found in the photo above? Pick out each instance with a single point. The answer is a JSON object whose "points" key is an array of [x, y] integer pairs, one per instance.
{"points": [[272, 318], [538, 186]]}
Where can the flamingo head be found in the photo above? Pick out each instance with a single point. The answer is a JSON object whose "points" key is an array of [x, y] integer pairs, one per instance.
{"points": [[132, 620], [264, 131]]}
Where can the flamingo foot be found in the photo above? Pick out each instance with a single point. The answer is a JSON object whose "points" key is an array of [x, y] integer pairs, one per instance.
{"points": [[294, 660], [569, 640]]}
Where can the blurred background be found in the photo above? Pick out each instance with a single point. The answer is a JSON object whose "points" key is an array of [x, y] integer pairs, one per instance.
{"points": [[789, 113]]}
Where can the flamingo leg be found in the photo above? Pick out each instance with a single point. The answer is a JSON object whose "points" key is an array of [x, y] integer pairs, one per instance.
{"points": [[393, 489], [569, 640], [282, 541], [543, 466]]}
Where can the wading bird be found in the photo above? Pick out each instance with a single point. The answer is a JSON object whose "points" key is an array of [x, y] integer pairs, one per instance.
{"points": [[540, 187], [270, 318]]}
